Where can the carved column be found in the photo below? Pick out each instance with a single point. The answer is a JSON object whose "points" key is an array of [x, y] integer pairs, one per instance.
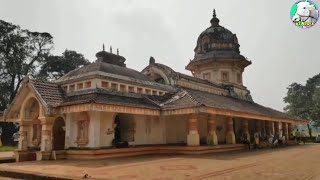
{"points": [[230, 137], [46, 138], [193, 138], [23, 139], [212, 138]]}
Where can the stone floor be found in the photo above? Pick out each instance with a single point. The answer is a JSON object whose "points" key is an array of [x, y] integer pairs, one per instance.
{"points": [[295, 163]]}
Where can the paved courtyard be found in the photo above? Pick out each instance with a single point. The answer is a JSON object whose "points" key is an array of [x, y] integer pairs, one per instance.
{"points": [[300, 162]]}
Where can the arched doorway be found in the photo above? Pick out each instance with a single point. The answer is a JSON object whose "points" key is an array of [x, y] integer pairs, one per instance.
{"points": [[58, 134]]}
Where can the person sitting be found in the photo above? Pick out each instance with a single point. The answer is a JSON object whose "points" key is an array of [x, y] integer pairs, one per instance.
{"points": [[256, 140], [245, 140]]}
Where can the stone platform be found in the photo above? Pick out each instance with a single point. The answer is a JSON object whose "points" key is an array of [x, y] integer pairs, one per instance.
{"points": [[135, 151]]}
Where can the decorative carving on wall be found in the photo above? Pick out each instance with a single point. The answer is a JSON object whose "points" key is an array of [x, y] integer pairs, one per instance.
{"points": [[36, 136], [82, 129]]}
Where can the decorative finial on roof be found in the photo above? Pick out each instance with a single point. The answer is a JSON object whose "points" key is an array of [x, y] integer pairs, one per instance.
{"points": [[103, 47], [111, 49], [214, 21], [117, 51], [152, 60]]}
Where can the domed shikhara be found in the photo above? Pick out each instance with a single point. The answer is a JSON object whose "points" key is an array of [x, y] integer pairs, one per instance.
{"points": [[216, 43], [217, 57]]}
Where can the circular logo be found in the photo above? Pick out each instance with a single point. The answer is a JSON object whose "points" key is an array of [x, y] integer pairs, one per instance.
{"points": [[304, 14]]}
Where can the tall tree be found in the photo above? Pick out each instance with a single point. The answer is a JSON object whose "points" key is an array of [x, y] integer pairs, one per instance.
{"points": [[55, 67], [21, 52], [304, 101]]}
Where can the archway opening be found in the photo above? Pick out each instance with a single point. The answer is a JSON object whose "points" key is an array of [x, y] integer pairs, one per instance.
{"points": [[58, 134], [123, 130]]}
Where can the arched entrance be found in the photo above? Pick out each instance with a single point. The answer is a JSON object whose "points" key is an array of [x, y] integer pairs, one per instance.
{"points": [[58, 134]]}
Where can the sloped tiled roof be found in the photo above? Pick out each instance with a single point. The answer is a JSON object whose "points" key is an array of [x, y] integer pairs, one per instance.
{"points": [[49, 92], [199, 98], [109, 97]]}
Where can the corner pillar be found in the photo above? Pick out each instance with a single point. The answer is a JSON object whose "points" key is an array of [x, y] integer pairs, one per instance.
{"points": [[212, 138], [46, 138], [23, 139], [193, 138], [230, 137]]}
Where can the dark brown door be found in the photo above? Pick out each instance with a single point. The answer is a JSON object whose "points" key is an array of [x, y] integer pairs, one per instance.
{"points": [[58, 134]]}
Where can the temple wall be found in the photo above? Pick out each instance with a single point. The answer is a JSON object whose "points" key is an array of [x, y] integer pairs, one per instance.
{"points": [[176, 129], [71, 128], [106, 129], [148, 130]]}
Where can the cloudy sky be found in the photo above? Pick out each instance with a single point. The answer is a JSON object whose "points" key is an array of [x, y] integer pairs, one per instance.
{"points": [[168, 30]]}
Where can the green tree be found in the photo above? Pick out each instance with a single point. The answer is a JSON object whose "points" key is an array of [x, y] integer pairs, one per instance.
{"points": [[57, 66], [21, 52], [303, 101]]}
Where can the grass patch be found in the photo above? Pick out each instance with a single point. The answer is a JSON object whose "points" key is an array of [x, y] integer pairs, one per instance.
{"points": [[7, 148]]}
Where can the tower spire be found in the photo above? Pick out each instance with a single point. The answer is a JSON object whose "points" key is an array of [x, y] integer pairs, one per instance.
{"points": [[214, 21], [103, 47], [111, 49]]}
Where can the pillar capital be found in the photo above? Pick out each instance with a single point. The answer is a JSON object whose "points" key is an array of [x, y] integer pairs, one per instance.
{"points": [[46, 119]]}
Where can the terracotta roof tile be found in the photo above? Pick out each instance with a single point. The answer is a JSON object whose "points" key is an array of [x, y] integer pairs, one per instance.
{"points": [[50, 92]]}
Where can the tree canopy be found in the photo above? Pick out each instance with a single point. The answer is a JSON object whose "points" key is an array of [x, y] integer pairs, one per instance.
{"points": [[24, 52], [303, 101]]}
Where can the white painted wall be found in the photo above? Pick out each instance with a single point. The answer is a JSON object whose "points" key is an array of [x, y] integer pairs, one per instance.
{"points": [[106, 129], [148, 130], [176, 129]]}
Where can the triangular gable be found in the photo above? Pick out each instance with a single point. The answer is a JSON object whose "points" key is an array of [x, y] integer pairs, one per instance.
{"points": [[26, 91]]}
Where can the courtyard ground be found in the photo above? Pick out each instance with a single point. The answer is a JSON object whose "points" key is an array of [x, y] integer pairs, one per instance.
{"points": [[294, 163]]}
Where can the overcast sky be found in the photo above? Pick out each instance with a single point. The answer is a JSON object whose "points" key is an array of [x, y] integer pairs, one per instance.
{"points": [[168, 30]]}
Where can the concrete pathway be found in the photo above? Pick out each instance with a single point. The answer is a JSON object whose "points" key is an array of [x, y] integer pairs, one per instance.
{"points": [[294, 163]]}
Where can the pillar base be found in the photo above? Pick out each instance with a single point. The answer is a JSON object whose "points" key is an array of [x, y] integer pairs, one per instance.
{"points": [[193, 140], [43, 155], [212, 139], [24, 155], [231, 138]]}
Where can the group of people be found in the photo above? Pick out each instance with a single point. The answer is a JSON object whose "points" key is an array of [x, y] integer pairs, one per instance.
{"points": [[273, 140]]}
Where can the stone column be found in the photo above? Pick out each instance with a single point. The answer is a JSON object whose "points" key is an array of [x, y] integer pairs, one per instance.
{"points": [[230, 137], [245, 127], [276, 128], [46, 138], [193, 138], [271, 126], [23, 139], [285, 130], [212, 138]]}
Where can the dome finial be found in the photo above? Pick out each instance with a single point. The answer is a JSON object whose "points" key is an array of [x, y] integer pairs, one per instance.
{"points": [[103, 47], [214, 21]]}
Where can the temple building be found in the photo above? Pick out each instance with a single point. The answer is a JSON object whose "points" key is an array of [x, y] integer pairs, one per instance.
{"points": [[105, 104]]}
